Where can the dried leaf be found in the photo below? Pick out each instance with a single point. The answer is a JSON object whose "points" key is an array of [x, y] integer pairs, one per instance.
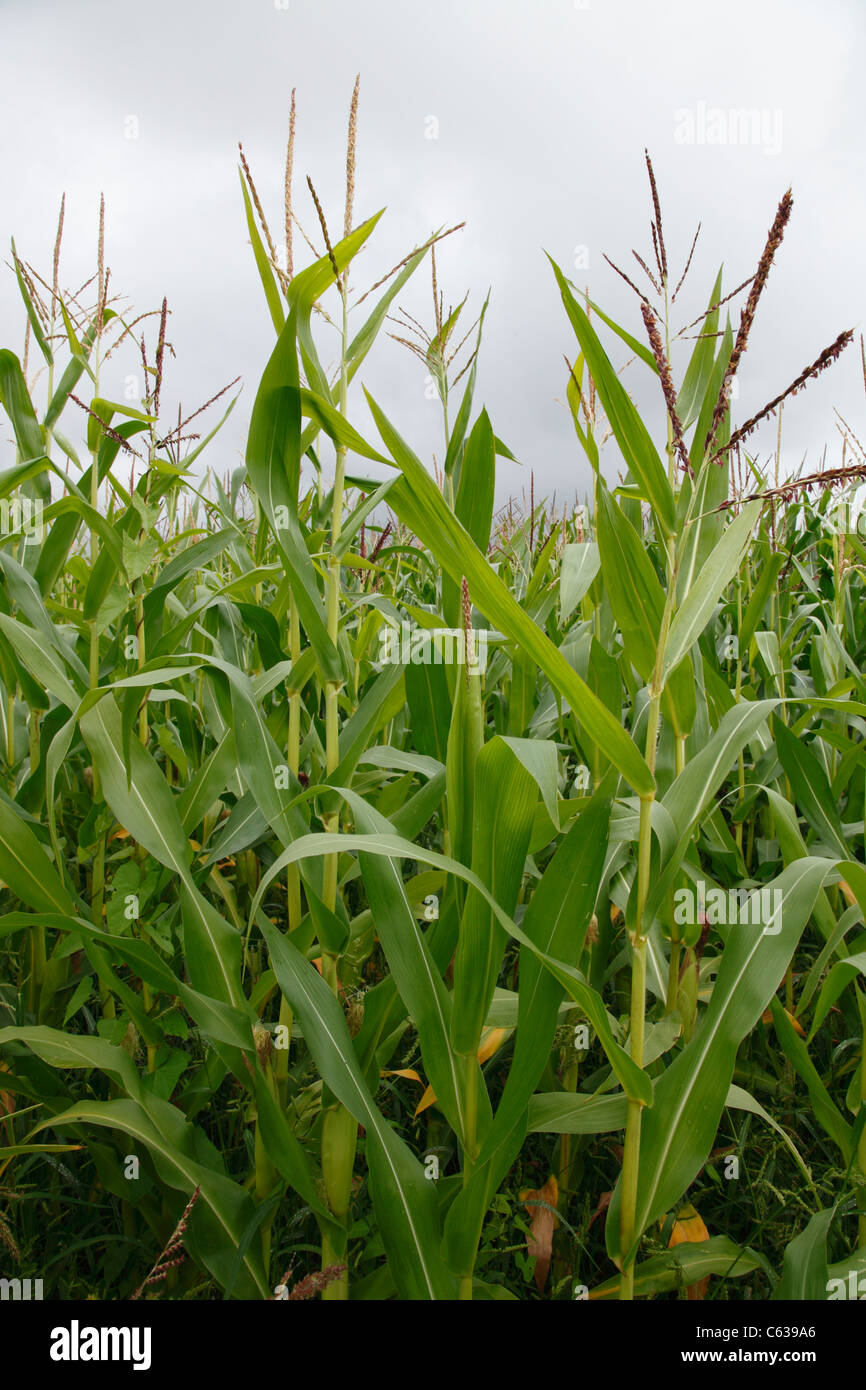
{"points": [[541, 1205]]}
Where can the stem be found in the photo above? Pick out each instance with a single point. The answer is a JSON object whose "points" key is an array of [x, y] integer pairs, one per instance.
{"points": [[97, 885], [97, 895], [471, 1109], [37, 972], [139, 632], [94, 502], [470, 1152], [631, 1156], [265, 1174], [332, 688], [673, 976], [34, 740], [566, 1154], [676, 944], [861, 1147], [293, 875], [10, 737], [672, 471], [147, 1000], [741, 765], [339, 1140], [339, 1129]]}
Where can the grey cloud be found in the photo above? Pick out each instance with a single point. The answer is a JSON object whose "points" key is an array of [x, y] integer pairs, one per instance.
{"points": [[543, 111]]}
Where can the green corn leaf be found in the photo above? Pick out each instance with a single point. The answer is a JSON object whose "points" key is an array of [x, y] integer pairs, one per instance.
{"points": [[685, 1265], [61, 536], [405, 1202], [60, 1049], [637, 599], [691, 792], [810, 787], [273, 463], [556, 922], [804, 1268], [473, 505], [32, 314], [142, 802], [631, 584], [635, 1081], [697, 453], [629, 430], [826, 1113], [418, 501], [580, 565], [72, 372], [639, 349], [679, 1130], [838, 978], [415, 974], [41, 661], [26, 868], [461, 423], [307, 287], [503, 815], [15, 399], [770, 569], [263, 265], [699, 370], [224, 1210], [465, 742], [564, 1112], [703, 594], [285, 1149]]}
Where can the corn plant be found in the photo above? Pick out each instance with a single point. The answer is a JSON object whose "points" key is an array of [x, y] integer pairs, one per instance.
{"points": [[321, 788]]}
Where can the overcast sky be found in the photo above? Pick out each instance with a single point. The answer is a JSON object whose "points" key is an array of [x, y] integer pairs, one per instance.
{"points": [[541, 112]]}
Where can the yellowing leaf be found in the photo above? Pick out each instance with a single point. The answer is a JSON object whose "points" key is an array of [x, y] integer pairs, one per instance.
{"points": [[767, 1017], [689, 1228], [849, 896], [491, 1041]]}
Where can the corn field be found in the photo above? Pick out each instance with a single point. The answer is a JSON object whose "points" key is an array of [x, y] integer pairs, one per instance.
{"points": [[405, 897]]}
